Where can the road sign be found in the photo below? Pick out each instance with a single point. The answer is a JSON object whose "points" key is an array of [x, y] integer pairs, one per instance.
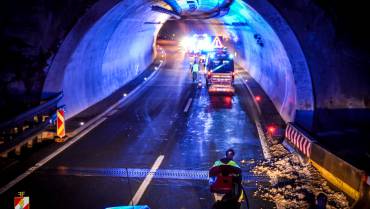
{"points": [[22, 202], [217, 43], [61, 132]]}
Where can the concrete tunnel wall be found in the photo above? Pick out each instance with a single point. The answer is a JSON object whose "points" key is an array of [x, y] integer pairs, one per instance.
{"points": [[99, 57], [279, 66]]}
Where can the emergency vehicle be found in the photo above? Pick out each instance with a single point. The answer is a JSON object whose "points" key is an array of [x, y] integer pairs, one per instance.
{"points": [[220, 72]]}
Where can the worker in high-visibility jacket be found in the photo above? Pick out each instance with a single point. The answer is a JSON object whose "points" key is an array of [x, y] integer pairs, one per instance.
{"points": [[225, 178], [195, 70]]}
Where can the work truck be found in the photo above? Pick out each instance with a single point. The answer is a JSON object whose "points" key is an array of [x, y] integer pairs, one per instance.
{"points": [[219, 73]]}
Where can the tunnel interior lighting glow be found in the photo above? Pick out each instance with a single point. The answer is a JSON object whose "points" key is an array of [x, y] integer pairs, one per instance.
{"points": [[82, 123], [197, 43]]}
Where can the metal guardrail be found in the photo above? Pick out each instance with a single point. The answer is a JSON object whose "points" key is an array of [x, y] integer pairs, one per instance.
{"points": [[23, 128]]}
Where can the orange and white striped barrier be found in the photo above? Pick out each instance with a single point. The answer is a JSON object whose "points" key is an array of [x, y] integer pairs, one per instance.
{"points": [[22, 202], [298, 139], [61, 131]]}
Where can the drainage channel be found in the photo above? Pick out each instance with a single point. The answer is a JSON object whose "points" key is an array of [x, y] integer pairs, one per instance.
{"points": [[142, 173]]}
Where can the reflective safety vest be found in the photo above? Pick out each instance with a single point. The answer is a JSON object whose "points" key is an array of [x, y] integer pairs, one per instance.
{"points": [[231, 163], [195, 68], [224, 177]]}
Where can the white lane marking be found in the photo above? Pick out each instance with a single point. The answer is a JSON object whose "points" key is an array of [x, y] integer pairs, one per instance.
{"points": [[188, 105], [135, 200], [261, 134], [48, 158]]}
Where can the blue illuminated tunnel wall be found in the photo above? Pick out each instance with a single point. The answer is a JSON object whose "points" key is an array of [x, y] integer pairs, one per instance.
{"points": [[102, 53], [270, 52]]}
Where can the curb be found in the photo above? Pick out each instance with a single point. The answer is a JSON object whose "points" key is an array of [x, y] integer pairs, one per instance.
{"points": [[261, 133]]}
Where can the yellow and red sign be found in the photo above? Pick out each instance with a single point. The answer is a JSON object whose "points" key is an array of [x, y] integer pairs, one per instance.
{"points": [[61, 131], [22, 202]]}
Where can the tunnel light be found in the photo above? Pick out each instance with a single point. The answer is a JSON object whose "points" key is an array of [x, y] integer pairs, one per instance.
{"points": [[271, 129], [145, 78], [258, 98], [82, 123], [156, 68], [125, 95]]}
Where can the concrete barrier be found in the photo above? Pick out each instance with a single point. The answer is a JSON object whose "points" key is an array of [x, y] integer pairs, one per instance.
{"points": [[351, 180], [337, 171]]}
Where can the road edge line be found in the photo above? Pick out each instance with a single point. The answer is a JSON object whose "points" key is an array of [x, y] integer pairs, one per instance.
{"points": [[261, 134]]}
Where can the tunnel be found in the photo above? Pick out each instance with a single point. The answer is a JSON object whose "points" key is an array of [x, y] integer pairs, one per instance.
{"points": [[114, 57], [134, 120]]}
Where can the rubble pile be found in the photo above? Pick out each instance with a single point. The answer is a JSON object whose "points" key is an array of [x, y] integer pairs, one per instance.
{"points": [[294, 184]]}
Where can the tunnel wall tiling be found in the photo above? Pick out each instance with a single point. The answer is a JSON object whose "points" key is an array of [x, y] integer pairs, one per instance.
{"points": [[117, 48]]}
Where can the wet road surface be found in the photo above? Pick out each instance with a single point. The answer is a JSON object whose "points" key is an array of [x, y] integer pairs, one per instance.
{"points": [[169, 117]]}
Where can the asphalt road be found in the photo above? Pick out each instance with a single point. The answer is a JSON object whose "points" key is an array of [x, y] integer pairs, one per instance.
{"points": [[170, 117]]}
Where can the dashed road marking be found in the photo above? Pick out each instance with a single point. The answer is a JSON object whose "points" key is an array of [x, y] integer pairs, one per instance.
{"points": [[188, 105], [135, 200]]}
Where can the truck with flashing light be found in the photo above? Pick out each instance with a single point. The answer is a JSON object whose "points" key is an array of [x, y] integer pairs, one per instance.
{"points": [[220, 73]]}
